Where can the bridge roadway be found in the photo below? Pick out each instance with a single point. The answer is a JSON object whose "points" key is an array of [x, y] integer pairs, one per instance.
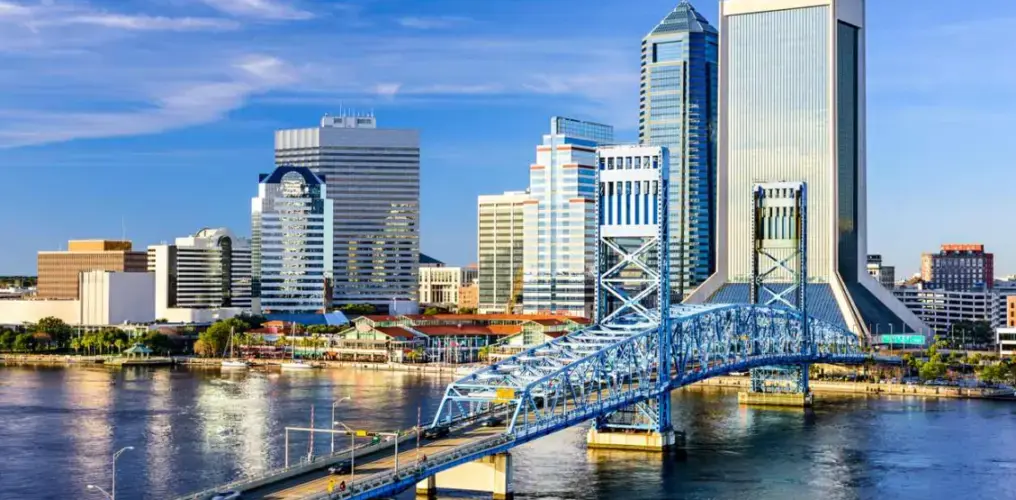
{"points": [[316, 483]]}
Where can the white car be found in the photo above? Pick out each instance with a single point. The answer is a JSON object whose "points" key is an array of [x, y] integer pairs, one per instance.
{"points": [[227, 495]]}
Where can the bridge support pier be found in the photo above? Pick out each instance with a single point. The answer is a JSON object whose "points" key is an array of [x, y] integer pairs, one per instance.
{"points": [[778, 386], [493, 474], [633, 439]]}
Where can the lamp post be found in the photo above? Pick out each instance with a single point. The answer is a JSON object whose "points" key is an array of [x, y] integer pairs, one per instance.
{"points": [[94, 487], [112, 492], [334, 404]]}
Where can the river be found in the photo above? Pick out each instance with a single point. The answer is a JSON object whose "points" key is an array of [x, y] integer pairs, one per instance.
{"points": [[192, 429]]}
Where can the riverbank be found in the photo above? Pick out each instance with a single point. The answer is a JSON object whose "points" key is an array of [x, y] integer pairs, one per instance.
{"points": [[883, 389]]}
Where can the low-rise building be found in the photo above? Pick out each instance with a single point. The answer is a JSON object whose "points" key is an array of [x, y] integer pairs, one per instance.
{"points": [[886, 275], [959, 267], [59, 271], [439, 286], [1005, 338], [106, 298], [939, 309], [450, 338], [469, 297]]}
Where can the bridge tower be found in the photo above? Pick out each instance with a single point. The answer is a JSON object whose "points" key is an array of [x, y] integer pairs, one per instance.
{"points": [[779, 278], [633, 279]]}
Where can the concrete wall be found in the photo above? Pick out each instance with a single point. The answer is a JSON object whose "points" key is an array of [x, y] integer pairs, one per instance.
{"points": [[16, 312], [185, 315], [112, 298]]}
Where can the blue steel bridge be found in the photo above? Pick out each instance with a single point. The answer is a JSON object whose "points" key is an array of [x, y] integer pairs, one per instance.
{"points": [[593, 373], [618, 373]]}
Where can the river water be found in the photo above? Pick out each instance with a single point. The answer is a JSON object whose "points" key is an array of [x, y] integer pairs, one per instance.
{"points": [[193, 429]]}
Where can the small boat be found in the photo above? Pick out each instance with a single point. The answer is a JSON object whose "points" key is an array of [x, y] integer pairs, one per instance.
{"points": [[297, 364], [232, 362]]}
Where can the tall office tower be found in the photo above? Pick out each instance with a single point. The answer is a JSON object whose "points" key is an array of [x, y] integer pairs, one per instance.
{"points": [[59, 272], [677, 109], [792, 110], [560, 235], [500, 250], [209, 270], [291, 225], [959, 268], [373, 177]]}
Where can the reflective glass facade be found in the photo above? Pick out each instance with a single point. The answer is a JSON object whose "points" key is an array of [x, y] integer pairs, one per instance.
{"points": [[678, 109], [560, 231], [373, 178], [500, 233], [291, 247], [778, 125], [847, 107]]}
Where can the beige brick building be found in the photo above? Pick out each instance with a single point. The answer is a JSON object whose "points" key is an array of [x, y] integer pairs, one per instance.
{"points": [[59, 271]]}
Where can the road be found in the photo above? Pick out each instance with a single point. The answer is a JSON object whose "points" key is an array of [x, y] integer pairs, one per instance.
{"points": [[317, 482]]}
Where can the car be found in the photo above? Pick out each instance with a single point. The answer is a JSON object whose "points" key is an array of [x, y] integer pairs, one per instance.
{"points": [[340, 468], [436, 432], [227, 495], [492, 421]]}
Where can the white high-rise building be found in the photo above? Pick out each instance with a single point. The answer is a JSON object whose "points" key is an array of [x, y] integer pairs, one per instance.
{"points": [[373, 178], [501, 221], [792, 110], [291, 247], [560, 235], [202, 277]]}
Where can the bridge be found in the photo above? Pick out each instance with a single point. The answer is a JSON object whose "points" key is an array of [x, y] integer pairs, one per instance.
{"points": [[618, 373]]}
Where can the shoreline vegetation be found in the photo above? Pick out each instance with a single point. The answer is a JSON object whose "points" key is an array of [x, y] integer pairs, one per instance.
{"points": [[817, 386]]}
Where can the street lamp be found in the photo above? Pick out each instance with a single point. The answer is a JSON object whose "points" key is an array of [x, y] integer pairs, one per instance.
{"points": [[112, 492], [334, 404], [94, 487]]}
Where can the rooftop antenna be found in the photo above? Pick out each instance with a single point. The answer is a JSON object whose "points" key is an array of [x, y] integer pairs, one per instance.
{"points": [[123, 229]]}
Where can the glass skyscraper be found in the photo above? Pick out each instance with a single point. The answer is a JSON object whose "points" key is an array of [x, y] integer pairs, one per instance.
{"points": [[792, 110], [560, 232], [373, 177], [677, 109], [291, 244]]}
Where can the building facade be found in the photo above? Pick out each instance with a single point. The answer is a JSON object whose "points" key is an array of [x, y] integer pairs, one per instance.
{"points": [[373, 178], [792, 109], [439, 286], [959, 267], [939, 309], [291, 244], [677, 109], [113, 298], [1005, 339], [886, 275], [500, 235], [560, 234], [210, 270], [59, 271]]}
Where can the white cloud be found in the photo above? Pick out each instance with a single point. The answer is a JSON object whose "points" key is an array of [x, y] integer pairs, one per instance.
{"points": [[150, 23], [280, 10], [430, 23], [181, 105], [388, 90]]}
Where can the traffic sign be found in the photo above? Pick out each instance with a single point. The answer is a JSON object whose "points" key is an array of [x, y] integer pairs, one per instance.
{"points": [[504, 395]]}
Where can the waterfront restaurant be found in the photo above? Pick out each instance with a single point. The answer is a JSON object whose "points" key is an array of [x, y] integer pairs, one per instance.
{"points": [[457, 338]]}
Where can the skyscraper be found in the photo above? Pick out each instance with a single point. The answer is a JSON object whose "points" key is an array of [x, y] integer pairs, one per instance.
{"points": [[500, 250], [792, 107], [199, 274], [291, 247], [677, 109], [373, 178], [560, 234]]}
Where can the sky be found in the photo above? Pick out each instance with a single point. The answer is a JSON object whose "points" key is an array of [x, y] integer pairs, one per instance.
{"points": [[153, 118]]}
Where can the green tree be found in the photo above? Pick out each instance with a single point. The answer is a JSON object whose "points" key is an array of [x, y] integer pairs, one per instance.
{"points": [[430, 311], [24, 342], [217, 335], [467, 310], [932, 370], [7, 340], [158, 342], [58, 331], [203, 349], [76, 345]]}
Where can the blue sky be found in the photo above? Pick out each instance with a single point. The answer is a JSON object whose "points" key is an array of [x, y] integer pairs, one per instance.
{"points": [[160, 112]]}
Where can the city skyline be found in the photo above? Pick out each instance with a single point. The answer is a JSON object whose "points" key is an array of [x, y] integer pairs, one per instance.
{"points": [[903, 171]]}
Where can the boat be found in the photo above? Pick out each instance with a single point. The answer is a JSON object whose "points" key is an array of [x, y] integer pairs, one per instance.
{"points": [[232, 362], [296, 364]]}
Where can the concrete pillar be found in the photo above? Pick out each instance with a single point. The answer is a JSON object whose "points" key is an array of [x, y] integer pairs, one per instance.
{"points": [[490, 474], [608, 439]]}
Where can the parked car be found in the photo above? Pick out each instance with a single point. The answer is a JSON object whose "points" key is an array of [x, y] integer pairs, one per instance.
{"points": [[492, 421], [340, 468], [437, 432], [227, 495]]}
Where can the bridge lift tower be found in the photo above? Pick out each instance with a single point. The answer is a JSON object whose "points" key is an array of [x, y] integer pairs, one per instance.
{"points": [[633, 280], [779, 278]]}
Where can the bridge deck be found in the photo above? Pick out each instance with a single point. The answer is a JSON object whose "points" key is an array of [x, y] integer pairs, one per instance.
{"points": [[316, 483]]}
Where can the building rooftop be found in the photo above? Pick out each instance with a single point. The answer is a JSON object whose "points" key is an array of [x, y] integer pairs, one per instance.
{"points": [[684, 17]]}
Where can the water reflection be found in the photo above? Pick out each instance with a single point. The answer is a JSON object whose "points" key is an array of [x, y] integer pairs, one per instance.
{"points": [[197, 428]]}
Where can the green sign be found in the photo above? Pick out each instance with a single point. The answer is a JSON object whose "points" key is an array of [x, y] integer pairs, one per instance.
{"points": [[902, 339]]}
